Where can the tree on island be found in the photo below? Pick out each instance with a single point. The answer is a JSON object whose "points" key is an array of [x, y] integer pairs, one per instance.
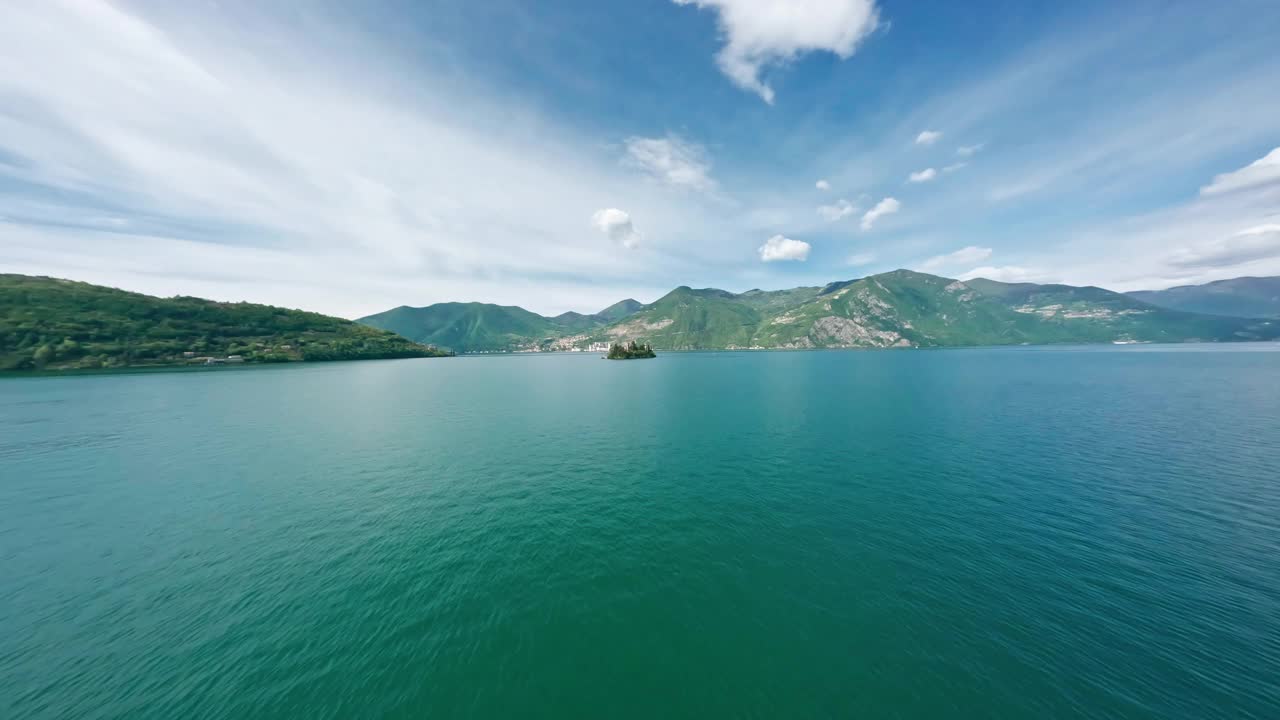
{"points": [[630, 351]]}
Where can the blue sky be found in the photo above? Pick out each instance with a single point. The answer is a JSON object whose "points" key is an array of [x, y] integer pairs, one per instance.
{"points": [[350, 157]]}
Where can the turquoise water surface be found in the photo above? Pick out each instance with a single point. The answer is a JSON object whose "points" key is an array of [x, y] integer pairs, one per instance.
{"points": [[1013, 533]]}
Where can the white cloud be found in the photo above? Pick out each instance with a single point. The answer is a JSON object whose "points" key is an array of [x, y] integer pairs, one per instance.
{"points": [[1255, 243], [1207, 238], [954, 167], [1263, 171], [784, 248], [887, 206], [822, 185], [214, 150], [968, 150], [964, 256], [1006, 273], [672, 160], [763, 33], [618, 226], [839, 209], [923, 176], [928, 137], [860, 259]]}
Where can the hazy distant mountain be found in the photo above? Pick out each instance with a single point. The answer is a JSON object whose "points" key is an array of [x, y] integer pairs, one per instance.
{"points": [[895, 309], [1241, 297]]}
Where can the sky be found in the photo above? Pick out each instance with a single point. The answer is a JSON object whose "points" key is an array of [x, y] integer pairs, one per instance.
{"points": [[562, 155]]}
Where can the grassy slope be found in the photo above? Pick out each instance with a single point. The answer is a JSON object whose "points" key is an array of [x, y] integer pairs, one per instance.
{"points": [[46, 322]]}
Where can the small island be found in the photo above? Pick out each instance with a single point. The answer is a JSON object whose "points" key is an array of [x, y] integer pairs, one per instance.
{"points": [[630, 351]]}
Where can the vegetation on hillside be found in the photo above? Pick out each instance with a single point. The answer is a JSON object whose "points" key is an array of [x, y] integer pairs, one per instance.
{"points": [[894, 309], [631, 351], [483, 327], [47, 323]]}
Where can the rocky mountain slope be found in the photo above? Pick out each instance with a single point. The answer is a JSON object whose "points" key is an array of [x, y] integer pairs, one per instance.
{"points": [[895, 309]]}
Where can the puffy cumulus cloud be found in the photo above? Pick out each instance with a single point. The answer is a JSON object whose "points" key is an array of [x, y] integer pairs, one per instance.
{"points": [[671, 160], [860, 259], [1256, 243], [784, 248], [822, 185], [968, 150], [923, 176], [887, 206], [761, 33], [618, 226], [928, 137], [964, 256], [1263, 171], [838, 210]]}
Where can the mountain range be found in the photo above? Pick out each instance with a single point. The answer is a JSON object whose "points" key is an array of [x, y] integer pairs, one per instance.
{"points": [[48, 323], [482, 327], [894, 309], [1240, 297]]}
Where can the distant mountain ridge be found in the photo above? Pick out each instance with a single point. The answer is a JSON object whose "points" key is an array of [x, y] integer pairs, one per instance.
{"points": [[1239, 297], [485, 327], [895, 309]]}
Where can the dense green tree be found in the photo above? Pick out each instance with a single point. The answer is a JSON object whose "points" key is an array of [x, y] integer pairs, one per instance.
{"points": [[632, 350]]}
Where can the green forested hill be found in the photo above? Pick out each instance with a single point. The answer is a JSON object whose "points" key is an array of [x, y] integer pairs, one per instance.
{"points": [[688, 319], [46, 323], [1240, 297], [484, 327], [469, 327], [619, 310], [894, 309]]}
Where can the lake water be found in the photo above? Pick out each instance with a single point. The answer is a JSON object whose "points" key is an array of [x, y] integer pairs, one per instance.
{"points": [[1016, 533]]}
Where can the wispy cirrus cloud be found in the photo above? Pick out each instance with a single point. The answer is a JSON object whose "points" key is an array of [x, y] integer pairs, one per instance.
{"points": [[672, 160], [861, 259], [1256, 243], [928, 137], [887, 206], [964, 256], [1008, 274], [1263, 171], [838, 210], [214, 151]]}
